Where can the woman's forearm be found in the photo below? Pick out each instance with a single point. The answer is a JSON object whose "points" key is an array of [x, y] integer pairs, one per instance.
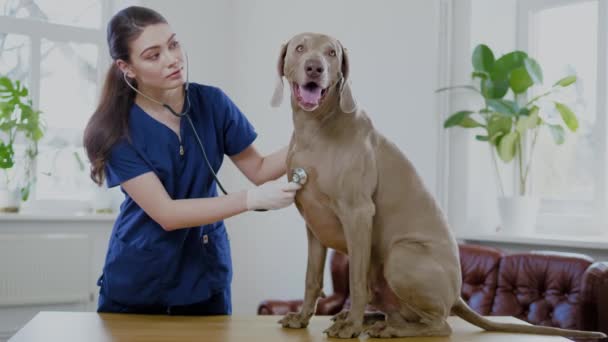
{"points": [[186, 213], [273, 166]]}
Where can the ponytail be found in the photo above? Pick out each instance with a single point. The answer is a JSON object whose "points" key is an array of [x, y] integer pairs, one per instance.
{"points": [[109, 123]]}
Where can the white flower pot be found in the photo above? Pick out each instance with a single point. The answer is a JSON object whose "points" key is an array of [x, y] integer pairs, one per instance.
{"points": [[101, 201], [9, 200], [518, 214]]}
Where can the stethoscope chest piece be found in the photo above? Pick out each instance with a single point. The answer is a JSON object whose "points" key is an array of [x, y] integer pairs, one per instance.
{"points": [[298, 175]]}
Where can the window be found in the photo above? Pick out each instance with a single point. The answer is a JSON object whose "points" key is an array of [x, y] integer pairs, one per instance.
{"points": [[564, 36], [57, 48]]}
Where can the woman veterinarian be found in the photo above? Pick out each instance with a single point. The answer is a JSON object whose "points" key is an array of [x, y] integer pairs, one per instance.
{"points": [[169, 251]]}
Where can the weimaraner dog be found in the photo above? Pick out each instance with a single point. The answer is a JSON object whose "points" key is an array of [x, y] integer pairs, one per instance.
{"points": [[364, 198]]}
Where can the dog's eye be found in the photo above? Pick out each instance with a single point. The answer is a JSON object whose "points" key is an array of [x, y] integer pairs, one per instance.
{"points": [[300, 48], [332, 53]]}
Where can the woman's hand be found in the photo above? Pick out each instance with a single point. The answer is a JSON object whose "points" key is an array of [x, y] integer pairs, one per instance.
{"points": [[272, 195]]}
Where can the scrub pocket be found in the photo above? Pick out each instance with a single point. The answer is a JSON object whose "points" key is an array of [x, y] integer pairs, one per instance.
{"points": [[217, 259], [133, 276]]}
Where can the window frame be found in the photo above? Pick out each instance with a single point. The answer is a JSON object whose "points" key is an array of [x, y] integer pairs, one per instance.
{"points": [[526, 39]]}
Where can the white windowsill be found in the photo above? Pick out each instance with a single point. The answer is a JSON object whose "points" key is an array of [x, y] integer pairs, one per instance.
{"points": [[84, 216], [580, 241]]}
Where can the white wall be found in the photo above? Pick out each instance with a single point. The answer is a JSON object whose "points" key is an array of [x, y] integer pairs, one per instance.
{"points": [[393, 48], [205, 31]]}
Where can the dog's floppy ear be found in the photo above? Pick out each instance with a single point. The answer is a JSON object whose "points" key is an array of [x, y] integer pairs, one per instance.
{"points": [[277, 96], [347, 101]]}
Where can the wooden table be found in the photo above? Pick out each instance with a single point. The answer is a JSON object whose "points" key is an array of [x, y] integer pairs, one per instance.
{"points": [[93, 327]]}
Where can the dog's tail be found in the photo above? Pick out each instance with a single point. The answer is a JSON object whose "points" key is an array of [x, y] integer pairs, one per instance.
{"points": [[462, 310]]}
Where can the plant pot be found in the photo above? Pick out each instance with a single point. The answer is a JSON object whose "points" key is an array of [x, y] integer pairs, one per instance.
{"points": [[101, 201], [9, 200], [518, 214]]}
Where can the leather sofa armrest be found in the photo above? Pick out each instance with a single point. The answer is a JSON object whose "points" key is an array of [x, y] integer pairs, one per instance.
{"points": [[595, 291]]}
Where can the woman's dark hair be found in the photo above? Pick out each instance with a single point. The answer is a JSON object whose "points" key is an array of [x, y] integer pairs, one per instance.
{"points": [[110, 121]]}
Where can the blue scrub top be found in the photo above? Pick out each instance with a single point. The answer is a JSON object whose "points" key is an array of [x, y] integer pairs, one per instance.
{"points": [[146, 265]]}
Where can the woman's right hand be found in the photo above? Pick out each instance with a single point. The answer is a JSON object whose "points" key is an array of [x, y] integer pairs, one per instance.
{"points": [[272, 195]]}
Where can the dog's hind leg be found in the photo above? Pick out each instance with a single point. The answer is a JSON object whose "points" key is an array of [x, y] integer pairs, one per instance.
{"points": [[376, 289], [425, 295]]}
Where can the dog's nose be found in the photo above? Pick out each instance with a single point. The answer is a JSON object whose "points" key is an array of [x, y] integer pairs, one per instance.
{"points": [[314, 68]]}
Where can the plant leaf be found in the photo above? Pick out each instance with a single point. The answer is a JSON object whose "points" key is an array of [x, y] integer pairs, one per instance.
{"points": [[494, 89], [534, 70], [495, 139], [6, 86], [6, 156], [498, 126], [483, 58], [482, 137], [529, 121], [469, 122], [566, 81], [503, 106], [558, 133], [507, 63], [457, 87], [480, 74], [519, 80], [25, 192], [456, 118], [507, 147], [568, 116]]}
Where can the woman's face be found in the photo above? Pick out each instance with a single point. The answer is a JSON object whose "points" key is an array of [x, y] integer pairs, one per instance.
{"points": [[157, 60]]}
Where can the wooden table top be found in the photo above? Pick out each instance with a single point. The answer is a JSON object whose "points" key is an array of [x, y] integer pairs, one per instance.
{"points": [[94, 327]]}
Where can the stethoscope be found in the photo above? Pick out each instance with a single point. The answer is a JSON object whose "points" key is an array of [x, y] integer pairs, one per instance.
{"points": [[298, 175]]}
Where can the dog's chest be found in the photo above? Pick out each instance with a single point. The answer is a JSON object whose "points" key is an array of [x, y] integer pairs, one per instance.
{"points": [[315, 200]]}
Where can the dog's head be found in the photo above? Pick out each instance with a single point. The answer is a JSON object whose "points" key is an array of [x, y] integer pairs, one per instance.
{"points": [[315, 65]]}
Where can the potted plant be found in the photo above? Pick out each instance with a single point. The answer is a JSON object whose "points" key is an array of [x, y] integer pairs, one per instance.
{"points": [[20, 122], [510, 120]]}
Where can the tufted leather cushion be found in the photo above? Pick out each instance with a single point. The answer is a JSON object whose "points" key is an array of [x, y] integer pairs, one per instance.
{"points": [[339, 271], [279, 307], [479, 267], [543, 288]]}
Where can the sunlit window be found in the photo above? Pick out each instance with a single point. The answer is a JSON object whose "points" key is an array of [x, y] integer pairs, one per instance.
{"points": [[564, 176], [83, 13], [55, 50]]}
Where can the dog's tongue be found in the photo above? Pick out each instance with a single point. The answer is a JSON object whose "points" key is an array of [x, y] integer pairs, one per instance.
{"points": [[310, 95]]}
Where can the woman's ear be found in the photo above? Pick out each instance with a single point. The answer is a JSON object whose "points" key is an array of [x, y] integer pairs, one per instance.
{"points": [[125, 68], [347, 101], [277, 96]]}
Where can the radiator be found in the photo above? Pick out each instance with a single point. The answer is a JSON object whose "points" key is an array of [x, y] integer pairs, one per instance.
{"points": [[44, 269]]}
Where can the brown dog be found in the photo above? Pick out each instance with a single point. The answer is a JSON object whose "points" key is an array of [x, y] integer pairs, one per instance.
{"points": [[364, 198]]}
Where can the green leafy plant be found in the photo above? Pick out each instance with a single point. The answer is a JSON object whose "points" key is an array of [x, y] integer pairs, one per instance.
{"points": [[508, 120], [18, 117]]}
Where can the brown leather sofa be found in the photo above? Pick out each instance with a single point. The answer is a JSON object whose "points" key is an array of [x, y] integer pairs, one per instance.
{"points": [[563, 290]]}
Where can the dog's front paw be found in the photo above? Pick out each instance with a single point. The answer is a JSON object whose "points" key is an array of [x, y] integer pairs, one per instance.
{"points": [[344, 329], [340, 316], [294, 320]]}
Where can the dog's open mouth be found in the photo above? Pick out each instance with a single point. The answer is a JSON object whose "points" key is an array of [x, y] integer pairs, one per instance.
{"points": [[309, 95]]}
